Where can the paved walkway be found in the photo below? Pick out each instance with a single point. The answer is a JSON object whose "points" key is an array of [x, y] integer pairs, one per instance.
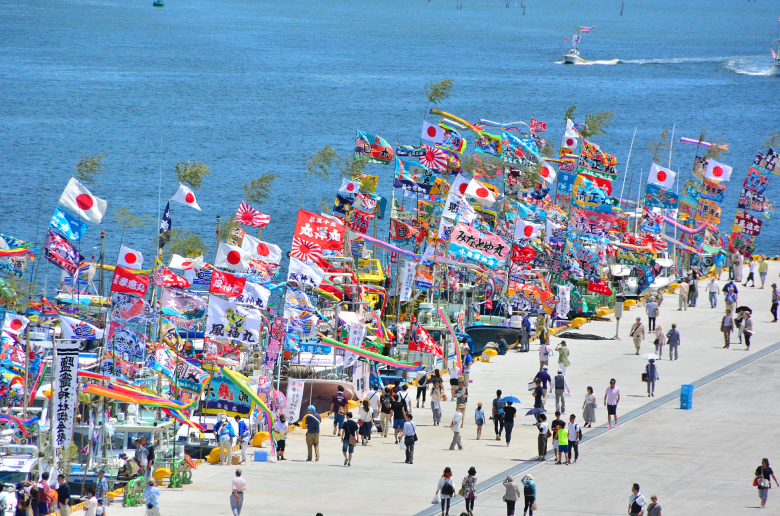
{"points": [[381, 481]]}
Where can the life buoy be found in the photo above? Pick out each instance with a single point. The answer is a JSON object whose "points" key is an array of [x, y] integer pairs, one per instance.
{"points": [[190, 462]]}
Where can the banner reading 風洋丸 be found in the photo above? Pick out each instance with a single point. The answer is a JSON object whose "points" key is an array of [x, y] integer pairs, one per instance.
{"points": [[66, 397]]}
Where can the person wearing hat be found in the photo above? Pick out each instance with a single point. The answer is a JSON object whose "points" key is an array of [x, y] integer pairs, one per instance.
{"points": [[225, 436], [457, 422], [152, 499], [563, 356], [775, 301], [512, 494], [637, 333], [280, 433], [312, 420], [651, 373], [101, 490], [63, 495], [529, 493], [469, 487], [237, 496]]}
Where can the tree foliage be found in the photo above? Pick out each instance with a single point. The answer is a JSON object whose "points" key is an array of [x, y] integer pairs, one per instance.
{"points": [[773, 141], [570, 112], [437, 92], [352, 167], [184, 243], [15, 293], [258, 190], [320, 163], [658, 149], [127, 220], [191, 173], [596, 124], [89, 167], [225, 227]]}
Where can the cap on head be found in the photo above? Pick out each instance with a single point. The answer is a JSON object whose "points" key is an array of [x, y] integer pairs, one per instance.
{"points": [[472, 471], [545, 368], [101, 470], [151, 482], [311, 407], [529, 477]]}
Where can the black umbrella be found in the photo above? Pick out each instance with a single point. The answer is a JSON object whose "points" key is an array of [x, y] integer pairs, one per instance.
{"points": [[744, 309], [535, 411]]}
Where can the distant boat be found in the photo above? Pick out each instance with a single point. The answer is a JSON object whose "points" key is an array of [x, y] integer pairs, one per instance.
{"points": [[775, 70], [573, 55], [158, 3]]}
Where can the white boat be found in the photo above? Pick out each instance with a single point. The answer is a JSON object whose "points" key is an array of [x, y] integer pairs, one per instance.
{"points": [[775, 70], [572, 56]]}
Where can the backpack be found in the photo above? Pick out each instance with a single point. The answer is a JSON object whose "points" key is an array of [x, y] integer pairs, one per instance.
{"points": [[559, 383], [528, 489], [447, 489], [387, 402]]}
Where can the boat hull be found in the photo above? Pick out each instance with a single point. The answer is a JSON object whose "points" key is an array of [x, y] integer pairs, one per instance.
{"points": [[482, 334], [572, 59], [774, 71]]}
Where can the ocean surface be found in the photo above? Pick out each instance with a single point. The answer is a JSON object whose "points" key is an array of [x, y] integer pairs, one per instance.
{"points": [[251, 87]]}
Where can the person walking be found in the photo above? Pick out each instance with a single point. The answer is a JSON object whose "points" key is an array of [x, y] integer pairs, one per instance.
{"points": [[712, 292], [525, 335], [747, 328], [652, 313], [752, 266], [101, 490], [44, 498], [544, 356], [479, 419], [280, 434], [338, 407], [365, 422], [410, 437], [445, 490], [636, 502], [509, 421], [422, 388], [693, 287], [313, 421], [660, 340], [498, 414], [399, 416], [731, 294], [560, 383], [349, 431], [152, 499], [469, 487], [454, 379], [529, 493], [462, 394], [654, 508], [611, 400], [437, 395], [775, 301], [589, 408], [243, 437], [726, 327], [386, 411], [763, 481], [225, 435], [637, 333], [575, 435], [237, 496], [406, 397], [682, 297], [468, 361], [555, 424], [538, 394], [511, 495], [673, 339], [373, 400], [651, 373], [63, 495], [563, 356], [455, 425], [544, 434], [763, 268], [546, 380]]}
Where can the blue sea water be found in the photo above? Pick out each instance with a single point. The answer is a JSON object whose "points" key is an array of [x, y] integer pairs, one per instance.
{"points": [[256, 87]]}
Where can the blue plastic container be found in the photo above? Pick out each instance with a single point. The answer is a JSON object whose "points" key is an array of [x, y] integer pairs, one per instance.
{"points": [[686, 389], [686, 397], [261, 456]]}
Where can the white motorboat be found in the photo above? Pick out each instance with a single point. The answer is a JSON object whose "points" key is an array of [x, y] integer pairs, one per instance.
{"points": [[572, 57], [774, 71]]}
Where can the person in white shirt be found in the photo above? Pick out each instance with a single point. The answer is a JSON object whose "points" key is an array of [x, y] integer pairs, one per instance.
{"points": [[574, 437], [457, 421], [751, 273], [712, 291], [237, 496], [406, 397], [91, 508], [373, 400], [422, 387], [409, 431], [543, 427], [636, 502], [280, 433], [453, 369]]}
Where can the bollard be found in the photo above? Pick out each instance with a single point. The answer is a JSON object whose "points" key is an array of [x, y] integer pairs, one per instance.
{"points": [[686, 397]]}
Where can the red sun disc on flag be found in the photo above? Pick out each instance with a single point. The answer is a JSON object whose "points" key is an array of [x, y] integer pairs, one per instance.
{"points": [[251, 217], [717, 171], [544, 172], [189, 198], [433, 158], [351, 187], [262, 249], [483, 193], [234, 257], [16, 324], [570, 142], [661, 175], [529, 230], [307, 251], [85, 202], [130, 258]]}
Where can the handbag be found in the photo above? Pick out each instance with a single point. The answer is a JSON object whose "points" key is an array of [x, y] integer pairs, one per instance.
{"points": [[755, 482], [352, 441], [402, 445], [644, 377], [764, 483], [435, 500], [460, 491], [531, 386], [533, 506]]}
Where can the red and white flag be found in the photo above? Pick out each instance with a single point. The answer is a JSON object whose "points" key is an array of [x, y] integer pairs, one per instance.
{"points": [[80, 201], [179, 262], [261, 251], [526, 230], [480, 192], [232, 257], [459, 186], [717, 171], [165, 277], [130, 258], [422, 341], [186, 196], [538, 126], [227, 284], [570, 131], [127, 281], [249, 216], [307, 251], [547, 172], [15, 324], [349, 187], [568, 144], [661, 176], [432, 132]]}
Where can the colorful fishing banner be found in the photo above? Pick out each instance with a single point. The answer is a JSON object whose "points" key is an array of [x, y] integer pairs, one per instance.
{"points": [[651, 221], [482, 246], [223, 396], [659, 197], [242, 382], [566, 182], [61, 253], [227, 320], [519, 151], [587, 195], [373, 148], [182, 303], [743, 244], [712, 191], [131, 309], [452, 140], [68, 225], [127, 281], [323, 230], [65, 399], [181, 373], [596, 162], [708, 211], [593, 223], [487, 143], [746, 224], [749, 200], [125, 341]]}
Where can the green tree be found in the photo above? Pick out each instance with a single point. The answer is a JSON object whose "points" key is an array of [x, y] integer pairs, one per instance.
{"points": [[225, 227], [319, 164], [325, 207], [596, 124], [127, 220], [773, 141], [570, 113], [15, 293], [184, 243], [658, 149], [191, 173], [257, 191], [352, 167], [436, 92], [89, 167]]}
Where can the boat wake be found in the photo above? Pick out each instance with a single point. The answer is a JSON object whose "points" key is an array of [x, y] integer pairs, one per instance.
{"points": [[746, 65], [746, 68]]}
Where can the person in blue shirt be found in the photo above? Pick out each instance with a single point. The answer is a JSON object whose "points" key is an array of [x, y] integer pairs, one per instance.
{"points": [[529, 493], [313, 420], [243, 437], [152, 499], [225, 436], [526, 335]]}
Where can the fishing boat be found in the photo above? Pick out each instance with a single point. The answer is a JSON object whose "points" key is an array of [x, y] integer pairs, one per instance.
{"points": [[481, 334], [158, 3], [775, 70], [573, 54]]}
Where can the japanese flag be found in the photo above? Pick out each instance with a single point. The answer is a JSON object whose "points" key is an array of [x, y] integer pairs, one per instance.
{"points": [[547, 173], [432, 132], [458, 187], [232, 257], [717, 171], [186, 196], [661, 176], [179, 262], [15, 324], [570, 132], [80, 201], [480, 192], [568, 143], [261, 251], [526, 230], [130, 259], [349, 187]]}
